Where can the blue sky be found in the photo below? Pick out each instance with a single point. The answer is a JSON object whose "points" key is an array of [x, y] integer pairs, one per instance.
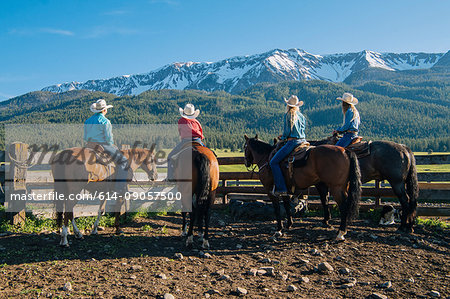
{"points": [[48, 42]]}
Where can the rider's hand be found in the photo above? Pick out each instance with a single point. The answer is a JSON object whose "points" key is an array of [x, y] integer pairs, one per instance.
{"points": [[279, 137]]}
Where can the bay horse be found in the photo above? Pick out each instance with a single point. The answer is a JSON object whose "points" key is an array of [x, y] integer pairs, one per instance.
{"points": [[76, 169], [203, 172], [387, 161], [333, 166]]}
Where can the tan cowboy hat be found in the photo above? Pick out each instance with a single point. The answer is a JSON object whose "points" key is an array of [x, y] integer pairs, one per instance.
{"points": [[189, 111], [348, 98], [99, 106], [293, 101]]}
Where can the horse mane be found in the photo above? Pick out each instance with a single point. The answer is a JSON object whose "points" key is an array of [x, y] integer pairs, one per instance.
{"points": [[260, 146]]}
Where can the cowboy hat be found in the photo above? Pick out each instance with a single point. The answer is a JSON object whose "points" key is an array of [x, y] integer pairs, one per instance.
{"points": [[189, 111], [293, 101], [99, 106], [348, 98]]}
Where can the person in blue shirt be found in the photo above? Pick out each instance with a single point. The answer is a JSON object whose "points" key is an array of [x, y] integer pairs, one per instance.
{"points": [[294, 135], [98, 129], [351, 120]]}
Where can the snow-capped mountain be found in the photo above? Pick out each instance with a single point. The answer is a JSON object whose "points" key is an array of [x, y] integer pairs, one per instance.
{"points": [[238, 73]]}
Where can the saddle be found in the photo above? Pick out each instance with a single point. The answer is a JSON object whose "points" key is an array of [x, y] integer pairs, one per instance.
{"points": [[360, 148], [101, 157]]}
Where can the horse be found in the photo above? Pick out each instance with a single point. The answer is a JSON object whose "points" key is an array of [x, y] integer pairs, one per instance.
{"points": [[200, 193], [77, 169], [327, 165], [387, 161]]}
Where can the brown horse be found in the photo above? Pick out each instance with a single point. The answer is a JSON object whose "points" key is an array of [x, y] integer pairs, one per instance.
{"points": [[387, 161], [333, 166], [76, 169], [200, 193]]}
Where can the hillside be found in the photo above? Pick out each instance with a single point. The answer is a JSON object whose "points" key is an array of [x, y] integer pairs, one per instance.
{"points": [[386, 113]]}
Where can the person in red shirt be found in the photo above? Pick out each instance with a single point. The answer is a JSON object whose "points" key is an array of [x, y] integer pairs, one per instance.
{"points": [[190, 130]]}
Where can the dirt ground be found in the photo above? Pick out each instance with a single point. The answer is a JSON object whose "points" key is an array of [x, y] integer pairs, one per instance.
{"points": [[142, 263]]}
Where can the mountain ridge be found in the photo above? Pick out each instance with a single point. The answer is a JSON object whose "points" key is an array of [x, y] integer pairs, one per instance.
{"points": [[238, 73]]}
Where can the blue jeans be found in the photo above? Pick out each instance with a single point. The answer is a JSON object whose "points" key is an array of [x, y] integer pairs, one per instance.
{"points": [[121, 167], [280, 184], [346, 139], [175, 150]]}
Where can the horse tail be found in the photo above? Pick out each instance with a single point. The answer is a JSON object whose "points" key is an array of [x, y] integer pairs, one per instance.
{"points": [[201, 162], [412, 184], [354, 190]]}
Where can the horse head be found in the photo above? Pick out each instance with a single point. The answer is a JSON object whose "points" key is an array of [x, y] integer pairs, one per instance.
{"points": [[145, 159]]}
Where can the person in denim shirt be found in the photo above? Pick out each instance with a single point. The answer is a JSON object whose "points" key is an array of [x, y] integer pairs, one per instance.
{"points": [[351, 120], [294, 134], [98, 129]]}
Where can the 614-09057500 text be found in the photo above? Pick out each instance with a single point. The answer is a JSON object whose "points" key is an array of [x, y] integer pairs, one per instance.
{"points": [[55, 196]]}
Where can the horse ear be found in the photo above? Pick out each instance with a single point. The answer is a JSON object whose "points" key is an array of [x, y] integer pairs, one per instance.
{"points": [[245, 136], [256, 136], [275, 141]]}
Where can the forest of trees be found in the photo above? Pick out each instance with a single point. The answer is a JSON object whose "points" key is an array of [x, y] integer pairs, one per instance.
{"points": [[417, 116]]}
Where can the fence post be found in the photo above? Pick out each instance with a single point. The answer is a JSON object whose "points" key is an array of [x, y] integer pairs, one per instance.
{"points": [[18, 174], [377, 196], [225, 196]]}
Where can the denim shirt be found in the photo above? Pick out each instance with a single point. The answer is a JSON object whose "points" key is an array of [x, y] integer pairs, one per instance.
{"points": [[349, 124], [97, 128], [297, 130]]}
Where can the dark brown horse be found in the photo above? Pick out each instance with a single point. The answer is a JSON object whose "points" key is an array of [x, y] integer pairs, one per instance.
{"points": [[200, 193], [333, 166], [387, 161], [76, 169]]}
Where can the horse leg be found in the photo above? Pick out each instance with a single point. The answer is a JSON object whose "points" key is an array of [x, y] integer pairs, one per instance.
{"points": [[400, 192], [287, 208], [101, 210], [323, 192], [190, 234], [65, 231], [200, 224], [340, 197], [207, 217], [117, 215], [276, 208], [184, 225]]}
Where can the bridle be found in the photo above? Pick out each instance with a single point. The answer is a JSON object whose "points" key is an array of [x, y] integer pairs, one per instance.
{"points": [[249, 168]]}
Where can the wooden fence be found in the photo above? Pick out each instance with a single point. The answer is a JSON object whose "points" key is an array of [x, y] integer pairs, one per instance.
{"points": [[434, 186]]}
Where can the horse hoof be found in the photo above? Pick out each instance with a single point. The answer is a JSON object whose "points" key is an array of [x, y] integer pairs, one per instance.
{"points": [[277, 234], [183, 234], [340, 237], [79, 237], [189, 241], [64, 245], [205, 244]]}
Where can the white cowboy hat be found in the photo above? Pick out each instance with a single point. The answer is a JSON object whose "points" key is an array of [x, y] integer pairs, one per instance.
{"points": [[348, 98], [189, 111], [99, 106], [293, 101]]}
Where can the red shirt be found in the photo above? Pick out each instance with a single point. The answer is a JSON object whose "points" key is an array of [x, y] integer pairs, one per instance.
{"points": [[190, 128]]}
